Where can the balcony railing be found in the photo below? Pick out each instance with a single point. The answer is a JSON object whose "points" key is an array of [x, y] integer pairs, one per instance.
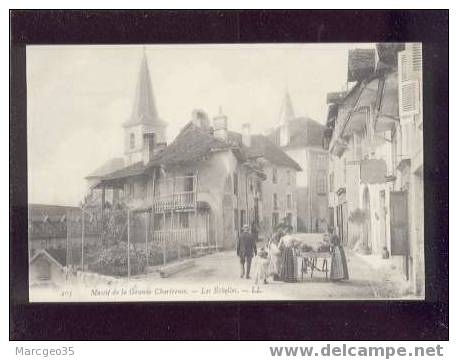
{"points": [[177, 201]]}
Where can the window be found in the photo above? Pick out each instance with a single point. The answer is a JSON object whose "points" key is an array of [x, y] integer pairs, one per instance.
{"points": [[274, 219], [236, 220], [321, 162], [321, 182], [357, 148], [189, 182], [331, 182], [236, 183], [184, 220], [289, 201], [274, 175], [132, 141], [289, 219], [288, 177], [258, 187], [243, 221], [130, 189], [158, 222], [275, 201]]}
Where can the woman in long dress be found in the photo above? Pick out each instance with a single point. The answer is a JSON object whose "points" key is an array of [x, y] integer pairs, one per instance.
{"points": [[275, 256], [288, 271], [339, 269]]}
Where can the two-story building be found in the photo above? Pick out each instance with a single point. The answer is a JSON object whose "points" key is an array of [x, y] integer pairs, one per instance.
{"points": [[301, 139]]}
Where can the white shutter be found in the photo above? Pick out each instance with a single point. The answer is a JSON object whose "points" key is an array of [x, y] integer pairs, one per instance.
{"points": [[409, 90], [410, 96], [415, 53]]}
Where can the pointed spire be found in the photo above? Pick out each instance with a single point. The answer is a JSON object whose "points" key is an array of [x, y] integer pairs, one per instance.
{"points": [[144, 110], [286, 110]]}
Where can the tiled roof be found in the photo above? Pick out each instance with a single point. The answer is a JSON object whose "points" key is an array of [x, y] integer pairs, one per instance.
{"points": [[262, 146], [107, 168], [132, 170], [38, 212], [303, 132], [192, 144]]}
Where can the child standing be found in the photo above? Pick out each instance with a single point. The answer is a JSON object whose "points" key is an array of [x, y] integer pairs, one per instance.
{"points": [[262, 266]]}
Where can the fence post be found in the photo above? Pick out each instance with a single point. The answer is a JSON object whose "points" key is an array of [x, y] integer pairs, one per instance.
{"points": [[82, 238], [147, 221], [164, 242], [128, 244], [164, 249]]}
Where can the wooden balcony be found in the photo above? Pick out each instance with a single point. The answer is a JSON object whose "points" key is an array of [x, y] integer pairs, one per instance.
{"points": [[176, 201]]}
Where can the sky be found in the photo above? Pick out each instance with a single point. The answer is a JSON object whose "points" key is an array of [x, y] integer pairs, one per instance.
{"points": [[79, 96]]}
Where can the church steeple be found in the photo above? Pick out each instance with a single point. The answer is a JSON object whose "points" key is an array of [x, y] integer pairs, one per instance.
{"points": [[286, 115], [286, 110], [144, 118], [144, 110]]}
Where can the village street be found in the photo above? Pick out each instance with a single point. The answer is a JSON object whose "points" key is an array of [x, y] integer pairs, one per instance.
{"points": [[216, 277], [222, 270]]}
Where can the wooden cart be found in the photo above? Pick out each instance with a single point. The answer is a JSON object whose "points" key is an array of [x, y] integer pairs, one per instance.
{"points": [[310, 262]]}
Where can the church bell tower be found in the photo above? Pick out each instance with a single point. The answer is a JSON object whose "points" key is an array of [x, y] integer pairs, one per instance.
{"points": [[144, 118]]}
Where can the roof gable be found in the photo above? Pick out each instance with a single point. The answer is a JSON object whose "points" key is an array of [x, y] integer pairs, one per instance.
{"points": [[45, 254], [192, 144], [273, 152], [261, 146]]}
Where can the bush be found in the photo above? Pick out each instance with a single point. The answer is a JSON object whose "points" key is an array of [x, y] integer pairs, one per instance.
{"points": [[113, 261]]}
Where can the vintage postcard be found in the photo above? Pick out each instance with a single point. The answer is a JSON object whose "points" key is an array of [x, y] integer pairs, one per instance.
{"points": [[225, 172]]}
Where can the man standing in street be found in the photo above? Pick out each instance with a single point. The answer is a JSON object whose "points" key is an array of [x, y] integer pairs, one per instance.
{"points": [[246, 248]]}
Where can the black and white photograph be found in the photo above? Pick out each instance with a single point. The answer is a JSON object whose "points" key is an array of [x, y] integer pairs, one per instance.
{"points": [[225, 172]]}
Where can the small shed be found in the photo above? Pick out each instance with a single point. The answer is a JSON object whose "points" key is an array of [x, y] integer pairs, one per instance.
{"points": [[45, 270]]}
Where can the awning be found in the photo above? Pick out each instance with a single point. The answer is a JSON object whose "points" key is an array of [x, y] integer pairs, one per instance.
{"points": [[358, 114]]}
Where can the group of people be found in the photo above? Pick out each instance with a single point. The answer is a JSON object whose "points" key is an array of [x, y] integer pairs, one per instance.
{"points": [[278, 258]]}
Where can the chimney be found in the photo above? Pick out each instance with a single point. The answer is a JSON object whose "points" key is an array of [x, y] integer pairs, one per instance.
{"points": [[148, 147], [220, 126], [246, 134], [200, 118]]}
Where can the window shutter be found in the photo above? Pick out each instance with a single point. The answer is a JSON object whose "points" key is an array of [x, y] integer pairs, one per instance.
{"points": [[417, 58], [399, 229], [409, 69]]}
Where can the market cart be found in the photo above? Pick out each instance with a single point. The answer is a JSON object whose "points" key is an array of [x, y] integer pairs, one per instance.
{"points": [[312, 261]]}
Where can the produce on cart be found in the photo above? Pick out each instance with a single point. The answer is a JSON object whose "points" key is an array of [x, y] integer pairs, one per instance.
{"points": [[313, 254]]}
